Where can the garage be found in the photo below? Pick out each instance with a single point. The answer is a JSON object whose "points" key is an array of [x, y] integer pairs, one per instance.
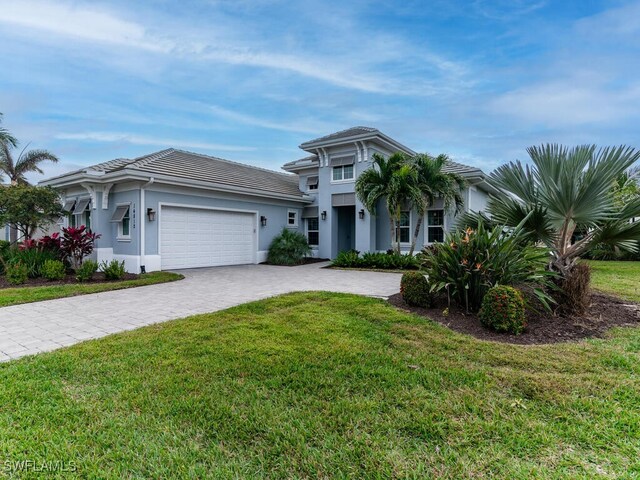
{"points": [[197, 237]]}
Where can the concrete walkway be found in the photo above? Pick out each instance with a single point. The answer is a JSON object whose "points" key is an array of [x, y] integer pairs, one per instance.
{"points": [[42, 326]]}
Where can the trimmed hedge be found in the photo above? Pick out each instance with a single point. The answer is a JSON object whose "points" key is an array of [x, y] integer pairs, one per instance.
{"points": [[503, 310], [415, 291], [375, 260]]}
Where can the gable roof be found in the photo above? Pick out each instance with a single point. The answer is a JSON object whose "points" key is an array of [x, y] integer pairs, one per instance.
{"points": [[181, 164], [354, 134], [349, 132]]}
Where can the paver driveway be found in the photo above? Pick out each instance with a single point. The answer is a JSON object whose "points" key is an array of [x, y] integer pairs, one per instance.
{"points": [[43, 326]]}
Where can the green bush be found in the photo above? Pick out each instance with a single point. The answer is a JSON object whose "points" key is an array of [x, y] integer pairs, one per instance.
{"points": [[16, 273], [32, 258], [503, 310], [5, 252], [53, 270], [85, 272], [468, 263], [113, 270], [414, 289], [382, 261], [288, 248]]}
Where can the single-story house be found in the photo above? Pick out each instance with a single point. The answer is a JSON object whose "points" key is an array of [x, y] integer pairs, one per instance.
{"points": [[174, 209]]}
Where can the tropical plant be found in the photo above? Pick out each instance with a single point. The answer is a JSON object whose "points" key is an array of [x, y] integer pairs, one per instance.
{"points": [[376, 260], [86, 271], [565, 201], [470, 262], [288, 248], [77, 243], [53, 270], [16, 273], [395, 181], [6, 138], [31, 257], [113, 270], [503, 310], [434, 183], [26, 208]]}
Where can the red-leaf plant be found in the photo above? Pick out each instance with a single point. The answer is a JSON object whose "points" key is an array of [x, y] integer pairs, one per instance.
{"points": [[76, 244]]}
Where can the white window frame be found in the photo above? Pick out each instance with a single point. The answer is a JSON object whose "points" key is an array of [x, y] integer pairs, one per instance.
{"points": [[295, 218], [410, 227], [342, 179], [427, 226], [121, 236], [317, 231]]}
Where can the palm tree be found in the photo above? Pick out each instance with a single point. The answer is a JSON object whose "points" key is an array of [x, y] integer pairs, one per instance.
{"points": [[434, 183], [566, 192], [16, 169], [6, 137], [394, 180]]}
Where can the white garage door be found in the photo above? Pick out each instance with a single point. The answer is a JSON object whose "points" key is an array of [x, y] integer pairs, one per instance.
{"points": [[191, 237]]}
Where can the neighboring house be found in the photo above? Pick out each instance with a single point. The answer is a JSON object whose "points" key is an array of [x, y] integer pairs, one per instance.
{"points": [[174, 209]]}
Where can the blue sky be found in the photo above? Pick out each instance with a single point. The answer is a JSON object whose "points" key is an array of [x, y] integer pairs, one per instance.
{"points": [[249, 80]]}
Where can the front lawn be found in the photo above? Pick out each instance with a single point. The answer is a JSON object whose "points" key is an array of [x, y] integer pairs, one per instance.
{"points": [[322, 385], [618, 278], [14, 296]]}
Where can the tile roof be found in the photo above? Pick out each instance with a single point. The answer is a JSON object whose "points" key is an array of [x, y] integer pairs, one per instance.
{"points": [[349, 132], [205, 168]]}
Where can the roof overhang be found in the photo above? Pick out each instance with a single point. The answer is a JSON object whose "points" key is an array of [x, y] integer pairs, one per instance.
{"points": [[378, 136]]}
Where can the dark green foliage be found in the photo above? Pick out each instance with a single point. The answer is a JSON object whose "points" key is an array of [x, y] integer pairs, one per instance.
{"points": [[415, 291], [28, 208], [85, 272], [53, 270], [470, 262], [113, 270], [16, 273], [5, 249], [288, 248], [375, 260], [32, 258], [603, 251], [503, 310]]}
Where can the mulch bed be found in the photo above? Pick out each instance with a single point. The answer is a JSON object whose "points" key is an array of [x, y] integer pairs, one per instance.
{"points": [[43, 282], [306, 261], [605, 312]]}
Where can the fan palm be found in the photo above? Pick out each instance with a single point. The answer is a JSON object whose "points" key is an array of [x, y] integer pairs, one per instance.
{"points": [[394, 180], [434, 183], [568, 197]]}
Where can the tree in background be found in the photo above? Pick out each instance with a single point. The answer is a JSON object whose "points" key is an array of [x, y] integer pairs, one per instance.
{"points": [[26, 208], [6, 137]]}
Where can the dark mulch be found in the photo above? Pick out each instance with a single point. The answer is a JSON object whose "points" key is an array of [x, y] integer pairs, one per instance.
{"points": [[605, 312], [43, 282], [306, 261]]}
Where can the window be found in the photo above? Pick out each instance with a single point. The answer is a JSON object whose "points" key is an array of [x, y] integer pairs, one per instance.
{"points": [[435, 226], [312, 183], [292, 218], [403, 228], [81, 214], [342, 172], [312, 231], [122, 216]]}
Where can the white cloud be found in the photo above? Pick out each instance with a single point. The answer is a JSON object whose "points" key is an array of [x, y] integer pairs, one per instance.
{"points": [[301, 126], [110, 137]]}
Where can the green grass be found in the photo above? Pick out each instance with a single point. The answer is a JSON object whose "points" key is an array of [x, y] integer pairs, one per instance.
{"points": [[317, 385], [14, 296], [617, 278]]}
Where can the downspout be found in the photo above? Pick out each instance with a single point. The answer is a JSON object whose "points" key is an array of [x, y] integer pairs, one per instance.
{"points": [[143, 223]]}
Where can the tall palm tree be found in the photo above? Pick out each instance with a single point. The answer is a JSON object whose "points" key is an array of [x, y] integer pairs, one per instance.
{"points": [[394, 180], [16, 169], [564, 192], [434, 183], [6, 137]]}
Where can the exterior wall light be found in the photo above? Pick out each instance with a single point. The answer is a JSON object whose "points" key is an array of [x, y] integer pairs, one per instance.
{"points": [[151, 214], [361, 214], [263, 221], [324, 215]]}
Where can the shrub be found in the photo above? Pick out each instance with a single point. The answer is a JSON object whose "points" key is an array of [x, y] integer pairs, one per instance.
{"points": [[415, 291], [503, 310], [5, 251], [53, 270], [51, 244], [574, 294], [16, 273], [85, 272], [288, 248], [383, 261], [113, 270], [470, 262], [76, 244], [32, 257]]}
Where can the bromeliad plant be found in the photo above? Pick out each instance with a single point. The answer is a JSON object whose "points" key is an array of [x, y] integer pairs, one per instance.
{"points": [[470, 262]]}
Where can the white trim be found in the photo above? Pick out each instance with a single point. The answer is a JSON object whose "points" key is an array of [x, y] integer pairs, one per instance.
{"points": [[344, 180], [297, 222], [120, 237], [256, 229], [105, 195], [426, 224], [262, 256], [404, 244], [306, 230]]}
